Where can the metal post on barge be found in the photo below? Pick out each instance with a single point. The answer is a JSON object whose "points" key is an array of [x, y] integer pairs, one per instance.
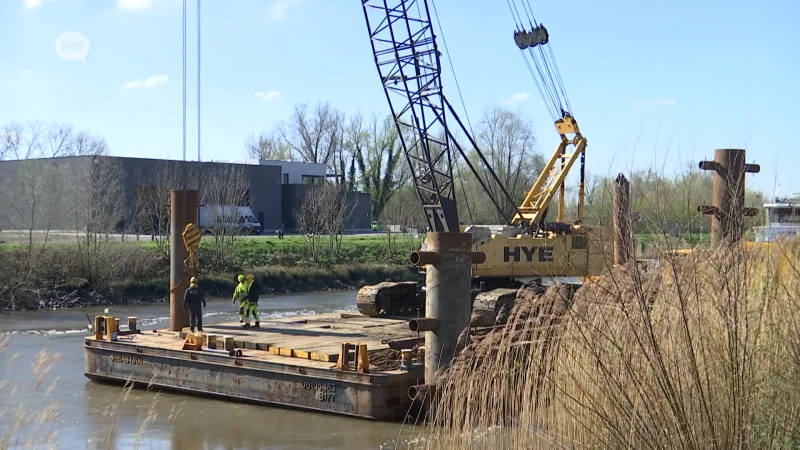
{"points": [[448, 260], [183, 210]]}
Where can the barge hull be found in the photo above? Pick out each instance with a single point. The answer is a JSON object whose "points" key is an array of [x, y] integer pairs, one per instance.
{"points": [[255, 377]]}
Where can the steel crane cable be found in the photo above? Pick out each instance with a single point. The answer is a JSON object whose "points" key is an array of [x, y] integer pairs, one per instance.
{"points": [[458, 88], [491, 192], [532, 21], [547, 95], [549, 81]]}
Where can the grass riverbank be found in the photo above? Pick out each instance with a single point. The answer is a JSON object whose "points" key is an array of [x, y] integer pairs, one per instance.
{"points": [[76, 274], [63, 270]]}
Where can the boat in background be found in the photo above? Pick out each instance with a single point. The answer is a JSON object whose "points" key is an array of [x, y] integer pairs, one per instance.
{"points": [[781, 220]]}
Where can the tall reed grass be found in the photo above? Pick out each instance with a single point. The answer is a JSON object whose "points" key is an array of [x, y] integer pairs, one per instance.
{"points": [[702, 353], [26, 426]]}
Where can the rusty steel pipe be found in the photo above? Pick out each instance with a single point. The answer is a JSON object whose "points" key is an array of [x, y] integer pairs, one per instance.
{"points": [[448, 297], [709, 165], [183, 210], [727, 208], [423, 258], [423, 324], [623, 238], [478, 257]]}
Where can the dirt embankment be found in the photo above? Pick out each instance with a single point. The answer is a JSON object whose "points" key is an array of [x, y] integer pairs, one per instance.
{"points": [[64, 278]]}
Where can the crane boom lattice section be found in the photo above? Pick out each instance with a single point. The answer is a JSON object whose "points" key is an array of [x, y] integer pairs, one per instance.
{"points": [[407, 60], [537, 201]]}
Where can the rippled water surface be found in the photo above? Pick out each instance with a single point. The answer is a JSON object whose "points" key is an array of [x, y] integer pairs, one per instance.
{"points": [[87, 411]]}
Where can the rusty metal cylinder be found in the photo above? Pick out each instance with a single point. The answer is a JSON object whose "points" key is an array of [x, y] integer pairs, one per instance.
{"points": [[478, 257], [623, 238], [183, 210], [448, 297], [422, 258], [727, 208], [423, 324]]}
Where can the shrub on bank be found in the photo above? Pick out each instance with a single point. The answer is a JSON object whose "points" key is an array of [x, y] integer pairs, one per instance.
{"points": [[278, 280], [69, 275]]}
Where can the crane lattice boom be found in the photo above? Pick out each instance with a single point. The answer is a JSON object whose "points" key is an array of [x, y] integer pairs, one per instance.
{"points": [[407, 58]]}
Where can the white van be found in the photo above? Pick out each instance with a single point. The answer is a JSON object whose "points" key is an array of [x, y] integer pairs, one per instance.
{"points": [[232, 219]]}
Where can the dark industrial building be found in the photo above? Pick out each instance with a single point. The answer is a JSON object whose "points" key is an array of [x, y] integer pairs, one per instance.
{"points": [[270, 188]]}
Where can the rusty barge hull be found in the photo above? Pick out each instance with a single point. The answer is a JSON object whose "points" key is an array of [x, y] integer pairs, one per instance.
{"points": [[275, 367]]}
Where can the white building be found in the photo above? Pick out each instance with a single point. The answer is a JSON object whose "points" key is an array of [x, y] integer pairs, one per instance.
{"points": [[293, 172]]}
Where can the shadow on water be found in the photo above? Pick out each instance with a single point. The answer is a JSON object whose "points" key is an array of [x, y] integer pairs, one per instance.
{"points": [[182, 422]]}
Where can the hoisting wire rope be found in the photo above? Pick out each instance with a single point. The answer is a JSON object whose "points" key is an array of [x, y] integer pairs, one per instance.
{"points": [[458, 88], [491, 191], [520, 27], [549, 81]]}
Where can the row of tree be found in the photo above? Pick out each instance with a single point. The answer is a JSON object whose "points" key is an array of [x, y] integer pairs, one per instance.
{"points": [[365, 154], [86, 201], [47, 140], [362, 154]]}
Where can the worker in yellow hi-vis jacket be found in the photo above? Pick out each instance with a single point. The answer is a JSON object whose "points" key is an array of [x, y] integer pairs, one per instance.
{"points": [[240, 294], [253, 289]]}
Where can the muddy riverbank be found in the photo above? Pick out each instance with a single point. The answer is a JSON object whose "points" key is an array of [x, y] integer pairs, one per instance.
{"points": [[39, 275], [77, 293]]}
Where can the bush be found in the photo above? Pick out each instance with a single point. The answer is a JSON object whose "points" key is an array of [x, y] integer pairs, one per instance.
{"points": [[64, 275]]}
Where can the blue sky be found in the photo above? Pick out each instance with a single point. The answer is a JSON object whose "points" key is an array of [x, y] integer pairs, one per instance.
{"points": [[651, 83]]}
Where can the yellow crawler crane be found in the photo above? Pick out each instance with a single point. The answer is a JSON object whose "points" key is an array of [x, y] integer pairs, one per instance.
{"points": [[525, 248], [555, 249]]}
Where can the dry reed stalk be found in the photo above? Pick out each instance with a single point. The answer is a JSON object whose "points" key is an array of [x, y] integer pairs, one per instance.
{"points": [[24, 426], [705, 354], [21, 425]]}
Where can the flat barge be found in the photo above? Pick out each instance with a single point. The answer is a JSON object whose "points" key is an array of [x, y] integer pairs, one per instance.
{"points": [[346, 364]]}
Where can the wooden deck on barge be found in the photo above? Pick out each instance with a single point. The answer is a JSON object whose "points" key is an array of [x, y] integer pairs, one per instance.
{"points": [[290, 361]]}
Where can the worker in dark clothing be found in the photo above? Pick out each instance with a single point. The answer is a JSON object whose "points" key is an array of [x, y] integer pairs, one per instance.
{"points": [[191, 301], [253, 289]]}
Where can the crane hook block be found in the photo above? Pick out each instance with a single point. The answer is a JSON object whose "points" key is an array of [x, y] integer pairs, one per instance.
{"points": [[530, 39], [191, 237]]}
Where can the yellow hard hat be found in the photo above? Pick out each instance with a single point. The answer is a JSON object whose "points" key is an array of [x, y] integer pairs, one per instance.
{"points": [[193, 280], [250, 277], [241, 278]]}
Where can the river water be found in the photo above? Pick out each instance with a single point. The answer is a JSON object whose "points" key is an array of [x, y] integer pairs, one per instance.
{"points": [[88, 411]]}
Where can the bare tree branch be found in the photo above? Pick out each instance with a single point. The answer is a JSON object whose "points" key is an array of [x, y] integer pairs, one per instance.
{"points": [[96, 202], [31, 202], [317, 136], [324, 210], [84, 144], [37, 140], [59, 138], [223, 191], [267, 146], [152, 199]]}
